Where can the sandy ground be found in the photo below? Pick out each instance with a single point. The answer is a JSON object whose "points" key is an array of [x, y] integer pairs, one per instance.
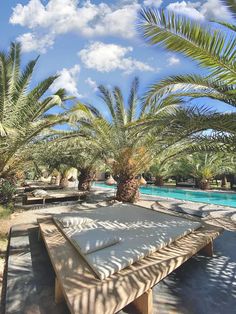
{"points": [[223, 216]]}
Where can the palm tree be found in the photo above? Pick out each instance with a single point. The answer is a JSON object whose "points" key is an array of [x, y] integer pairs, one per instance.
{"points": [[65, 152], [127, 150], [23, 113], [211, 48], [128, 140], [160, 171], [203, 167]]}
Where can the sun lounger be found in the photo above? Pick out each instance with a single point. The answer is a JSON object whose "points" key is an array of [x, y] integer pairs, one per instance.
{"points": [[141, 231], [85, 294], [44, 186], [53, 196]]}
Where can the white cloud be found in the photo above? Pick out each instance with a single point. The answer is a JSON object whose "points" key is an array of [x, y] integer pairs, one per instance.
{"points": [[214, 9], [92, 84], [154, 3], [68, 79], [200, 11], [35, 42], [109, 57], [63, 16], [173, 61], [189, 9], [46, 20]]}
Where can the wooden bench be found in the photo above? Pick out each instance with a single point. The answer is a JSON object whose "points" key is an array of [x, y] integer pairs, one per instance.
{"points": [[85, 294], [53, 196], [48, 187]]}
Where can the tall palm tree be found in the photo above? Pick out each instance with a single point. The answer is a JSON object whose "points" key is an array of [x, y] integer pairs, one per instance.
{"points": [[24, 113], [213, 49], [128, 139], [127, 150]]}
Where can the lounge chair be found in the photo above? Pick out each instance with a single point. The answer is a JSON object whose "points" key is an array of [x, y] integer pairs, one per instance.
{"points": [[84, 293], [53, 196]]}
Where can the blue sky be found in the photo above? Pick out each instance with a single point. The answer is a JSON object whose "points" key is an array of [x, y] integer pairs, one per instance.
{"points": [[95, 42]]}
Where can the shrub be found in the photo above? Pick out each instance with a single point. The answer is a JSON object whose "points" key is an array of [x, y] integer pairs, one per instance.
{"points": [[5, 212], [7, 191]]}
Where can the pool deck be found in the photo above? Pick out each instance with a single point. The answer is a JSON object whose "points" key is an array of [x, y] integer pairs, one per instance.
{"points": [[215, 211], [201, 285]]}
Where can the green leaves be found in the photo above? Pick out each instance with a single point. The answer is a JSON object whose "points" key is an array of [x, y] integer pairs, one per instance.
{"points": [[23, 113], [210, 48], [132, 101], [231, 4], [190, 85]]}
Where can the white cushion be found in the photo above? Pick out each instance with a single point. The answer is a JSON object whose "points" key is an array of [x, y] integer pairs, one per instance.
{"points": [[93, 240], [143, 231], [40, 193], [74, 221]]}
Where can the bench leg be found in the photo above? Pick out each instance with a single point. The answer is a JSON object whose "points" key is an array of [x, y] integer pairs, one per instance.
{"points": [[208, 250], [144, 303], [58, 292]]}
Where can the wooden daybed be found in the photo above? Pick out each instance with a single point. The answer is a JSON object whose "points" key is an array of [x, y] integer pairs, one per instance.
{"points": [[85, 294], [47, 187], [53, 196]]}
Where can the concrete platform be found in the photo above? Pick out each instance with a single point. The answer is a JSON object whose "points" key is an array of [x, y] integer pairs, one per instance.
{"points": [[30, 276], [201, 285]]}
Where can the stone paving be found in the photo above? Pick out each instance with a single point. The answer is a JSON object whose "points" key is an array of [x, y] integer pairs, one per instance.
{"points": [[202, 285]]}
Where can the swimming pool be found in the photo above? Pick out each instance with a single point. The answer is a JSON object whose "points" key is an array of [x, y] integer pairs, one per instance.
{"points": [[217, 198]]}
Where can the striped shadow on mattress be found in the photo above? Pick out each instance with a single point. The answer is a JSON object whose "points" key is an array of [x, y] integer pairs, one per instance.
{"points": [[136, 232]]}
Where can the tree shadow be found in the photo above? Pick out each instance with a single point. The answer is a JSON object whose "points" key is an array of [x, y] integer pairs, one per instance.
{"points": [[202, 284]]}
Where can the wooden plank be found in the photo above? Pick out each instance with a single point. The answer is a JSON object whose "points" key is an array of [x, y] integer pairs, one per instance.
{"points": [[85, 294], [58, 292], [144, 303], [53, 197]]}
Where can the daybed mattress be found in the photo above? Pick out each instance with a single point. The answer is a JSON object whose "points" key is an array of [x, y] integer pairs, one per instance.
{"points": [[142, 232]]}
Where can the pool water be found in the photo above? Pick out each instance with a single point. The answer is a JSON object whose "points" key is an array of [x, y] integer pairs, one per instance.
{"points": [[217, 198]]}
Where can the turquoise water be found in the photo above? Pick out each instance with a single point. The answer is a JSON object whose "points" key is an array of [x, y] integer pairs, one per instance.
{"points": [[225, 199]]}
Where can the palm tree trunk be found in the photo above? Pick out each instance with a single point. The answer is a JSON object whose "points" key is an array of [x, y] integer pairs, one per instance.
{"points": [[224, 182], [159, 181], [85, 179], [197, 183], [127, 189], [204, 185]]}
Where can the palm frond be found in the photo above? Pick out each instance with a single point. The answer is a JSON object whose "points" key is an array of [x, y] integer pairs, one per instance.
{"points": [[211, 49], [194, 86], [108, 99], [132, 101], [230, 26], [231, 5], [14, 56], [119, 106]]}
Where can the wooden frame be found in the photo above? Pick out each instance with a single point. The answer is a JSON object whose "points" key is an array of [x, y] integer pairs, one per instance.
{"points": [[58, 292], [144, 303], [85, 294]]}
